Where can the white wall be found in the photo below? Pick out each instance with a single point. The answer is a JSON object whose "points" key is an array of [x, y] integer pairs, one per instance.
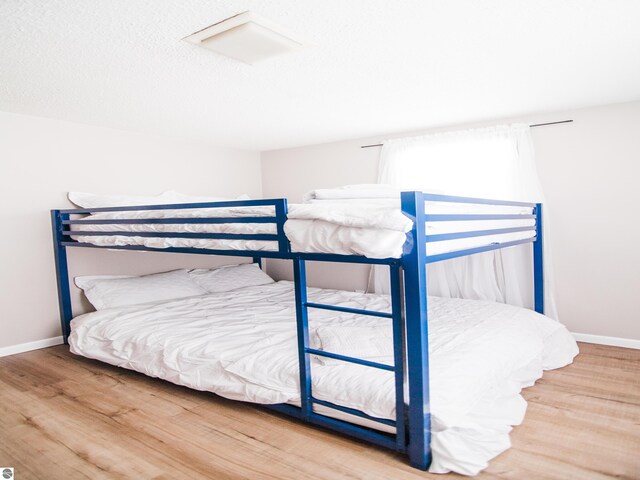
{"points": [[42, 159], [589, 170], [292, 172]]}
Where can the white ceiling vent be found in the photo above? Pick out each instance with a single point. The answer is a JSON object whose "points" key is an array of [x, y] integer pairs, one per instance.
{"points": [[245, 37]]}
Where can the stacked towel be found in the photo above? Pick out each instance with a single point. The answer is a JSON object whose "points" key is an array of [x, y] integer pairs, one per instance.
{"points": [[369, 193]]}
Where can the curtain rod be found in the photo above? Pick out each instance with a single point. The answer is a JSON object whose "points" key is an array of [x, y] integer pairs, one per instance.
{"points": [[531, 126]]}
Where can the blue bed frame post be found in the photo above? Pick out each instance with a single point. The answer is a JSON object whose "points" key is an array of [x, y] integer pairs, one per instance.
{"points": [[62, 272], [302, 322], [417, 334], [538, 264], [281, 210], [395, 281]]}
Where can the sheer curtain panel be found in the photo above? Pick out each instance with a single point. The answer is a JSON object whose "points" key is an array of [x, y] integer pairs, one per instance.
{"points": [[496, 162]]}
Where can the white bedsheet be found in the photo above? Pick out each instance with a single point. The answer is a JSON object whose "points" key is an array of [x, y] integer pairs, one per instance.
{"points": [[375, 231], [242, 345]]}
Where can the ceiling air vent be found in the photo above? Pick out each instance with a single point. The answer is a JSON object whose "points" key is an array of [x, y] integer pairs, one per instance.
{"points": [[245, 37]]}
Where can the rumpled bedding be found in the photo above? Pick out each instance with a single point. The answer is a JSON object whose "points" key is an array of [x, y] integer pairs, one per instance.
{"points": [[242, 345]]}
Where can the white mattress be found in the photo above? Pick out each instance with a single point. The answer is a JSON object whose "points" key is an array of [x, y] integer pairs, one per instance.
{"points": [[242, 345], [375, 231]]}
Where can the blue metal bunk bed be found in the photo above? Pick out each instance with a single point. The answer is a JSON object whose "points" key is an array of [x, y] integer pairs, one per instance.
{"points": [[408, 281]]}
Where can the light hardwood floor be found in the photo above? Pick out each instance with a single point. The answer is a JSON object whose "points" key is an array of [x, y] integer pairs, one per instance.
{"points": [[65, 417]]}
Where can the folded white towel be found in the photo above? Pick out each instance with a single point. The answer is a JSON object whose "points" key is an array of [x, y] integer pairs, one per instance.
{"points": [[367, 343], [382, 202], [360, 191], [352, 215]]}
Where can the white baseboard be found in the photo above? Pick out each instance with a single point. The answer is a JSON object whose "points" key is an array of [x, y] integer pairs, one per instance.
{"points": [[26, 347], [602, 340]]}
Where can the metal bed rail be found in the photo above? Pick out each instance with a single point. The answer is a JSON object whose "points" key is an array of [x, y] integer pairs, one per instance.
{"points": [[534, 213], [278, 218], [531, 212]]}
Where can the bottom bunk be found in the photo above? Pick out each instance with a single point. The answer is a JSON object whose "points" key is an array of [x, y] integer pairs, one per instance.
{"points": [[242, 345]]}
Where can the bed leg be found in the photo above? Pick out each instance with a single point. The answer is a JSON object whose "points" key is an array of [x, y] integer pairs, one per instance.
{"points": [[417, 334], [538, 265], [62, 273]]}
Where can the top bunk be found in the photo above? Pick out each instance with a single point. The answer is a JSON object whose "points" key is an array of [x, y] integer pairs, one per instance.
{"points": [[354, 232]]}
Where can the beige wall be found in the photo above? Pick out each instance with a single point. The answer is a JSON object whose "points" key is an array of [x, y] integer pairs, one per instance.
{"points": [[42, 159], [590, 172]]}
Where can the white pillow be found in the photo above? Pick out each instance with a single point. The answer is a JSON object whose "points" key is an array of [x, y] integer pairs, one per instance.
{"points": [[108, 292], [92, 200], [230, 277]]}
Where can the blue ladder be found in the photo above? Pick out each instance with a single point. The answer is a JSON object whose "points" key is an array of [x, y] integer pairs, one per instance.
{"points": [[307, 400]]}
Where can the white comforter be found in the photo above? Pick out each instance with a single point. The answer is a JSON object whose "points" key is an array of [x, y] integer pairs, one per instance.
{"points": [[375, 230], [242, 345]]}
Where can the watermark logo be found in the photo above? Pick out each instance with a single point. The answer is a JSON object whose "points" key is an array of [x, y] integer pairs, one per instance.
{"points": [[7, 473]]}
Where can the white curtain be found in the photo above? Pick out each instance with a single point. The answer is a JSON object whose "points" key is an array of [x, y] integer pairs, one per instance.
{"points": [[496, 162]]}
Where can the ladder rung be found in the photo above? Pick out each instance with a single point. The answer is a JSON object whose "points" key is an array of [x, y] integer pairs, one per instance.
{"points": [[352, 411], [371, 313], [344, 358]]}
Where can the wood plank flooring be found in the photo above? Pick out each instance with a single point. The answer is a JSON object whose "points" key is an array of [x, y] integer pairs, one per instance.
{"points": [[65, 417]]}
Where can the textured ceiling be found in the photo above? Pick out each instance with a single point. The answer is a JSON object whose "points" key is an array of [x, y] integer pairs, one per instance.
{"points": [[373, 67]]}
